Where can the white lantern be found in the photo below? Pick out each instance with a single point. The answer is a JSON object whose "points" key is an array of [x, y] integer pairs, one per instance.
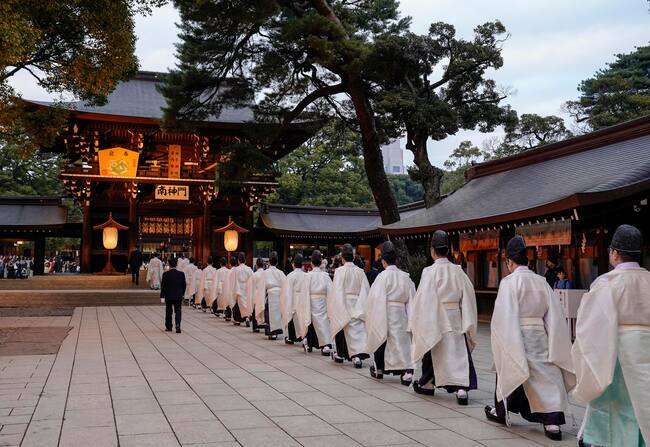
{"points": [[230, 240], [109, 238]]}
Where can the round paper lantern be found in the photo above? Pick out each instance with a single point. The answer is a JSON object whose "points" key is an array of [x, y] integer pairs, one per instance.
{"points": [[109, 238], [230, 240]]}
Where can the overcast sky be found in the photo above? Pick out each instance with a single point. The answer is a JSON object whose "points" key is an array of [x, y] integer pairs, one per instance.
{"points": [[553, 45]]}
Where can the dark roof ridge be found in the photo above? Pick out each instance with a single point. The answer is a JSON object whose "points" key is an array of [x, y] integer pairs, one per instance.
{"points": [[619, 132], [312, 209], [32, 200]]}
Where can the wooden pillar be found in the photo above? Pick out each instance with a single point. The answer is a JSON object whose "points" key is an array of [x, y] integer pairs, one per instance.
{"points": [[206, 241], [249, 238], [133, 225], [603, 253], [86, 239], [39, 255]]}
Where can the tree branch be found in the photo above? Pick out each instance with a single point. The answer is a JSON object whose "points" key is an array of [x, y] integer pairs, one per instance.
{"points": [[310, 98]]}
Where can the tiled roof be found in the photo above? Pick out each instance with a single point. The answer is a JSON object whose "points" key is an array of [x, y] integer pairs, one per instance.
{"points": [[32, 212]]}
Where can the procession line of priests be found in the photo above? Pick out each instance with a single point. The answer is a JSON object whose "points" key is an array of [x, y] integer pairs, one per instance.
{"points": [[191, 271], [611, 352], [229, 291], [243, 300], [443, 324], [312, 323], [289, 293], [268, 296], [531, 347], [209, 285], [385, 312], [350, 285], [219, 303]]}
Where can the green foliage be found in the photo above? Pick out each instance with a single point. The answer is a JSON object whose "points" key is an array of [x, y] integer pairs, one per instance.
{"points": [[414, 265], [531, 131], [461, 159], [618, 93], [406, 190], [79, 46], [328, 171]]}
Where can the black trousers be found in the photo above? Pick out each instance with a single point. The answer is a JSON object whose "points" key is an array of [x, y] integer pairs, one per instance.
{"points": [[380, 364], [342, 347], [429, 377], [227, 312], [291, 329], [267, 323], [176, 306], [518, 403], [135, 275], [236, 314], [255, 324]]}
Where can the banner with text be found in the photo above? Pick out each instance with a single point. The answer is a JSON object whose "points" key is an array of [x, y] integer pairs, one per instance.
{"points": [[118, 162], [174, 162], [172, 192]]}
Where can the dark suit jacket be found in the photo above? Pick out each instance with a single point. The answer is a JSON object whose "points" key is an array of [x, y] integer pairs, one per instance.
{"points": [[172, 286], [135, 260], [372, 275]]}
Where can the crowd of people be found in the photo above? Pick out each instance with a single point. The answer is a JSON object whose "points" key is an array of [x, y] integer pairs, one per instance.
{"points": [[394, 326], [16, 267]]}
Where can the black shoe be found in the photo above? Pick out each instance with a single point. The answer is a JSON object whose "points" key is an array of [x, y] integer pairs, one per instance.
{"points": [[178, 330], [256, 331], [226, 319], [404, 381], [462, 400], [493, 418], [273, 337], [248, 323], [553, 435], [336, 358], [287, 341], [358, 364], [374, 374], [424, 391], [168, 329]]}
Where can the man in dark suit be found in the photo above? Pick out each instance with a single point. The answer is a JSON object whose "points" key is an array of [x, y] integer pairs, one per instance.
{"points": [[135, 262], [172, 289]]}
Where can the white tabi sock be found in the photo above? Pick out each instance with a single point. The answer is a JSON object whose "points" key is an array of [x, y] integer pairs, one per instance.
{"points": [[552, 428], [461, 393]]}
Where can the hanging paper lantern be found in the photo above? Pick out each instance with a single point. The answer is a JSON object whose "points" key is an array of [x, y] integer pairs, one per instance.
{"points": [[230, 240], [109, 237]]}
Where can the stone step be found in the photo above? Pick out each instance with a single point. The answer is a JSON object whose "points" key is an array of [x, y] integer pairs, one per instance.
{"points": [[77, 298]]}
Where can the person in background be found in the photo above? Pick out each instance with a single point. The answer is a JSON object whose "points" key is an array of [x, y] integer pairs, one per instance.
{"points": [[291, 289], [172, 289], [611, 352], [562, 281], [219, 304], [154, 272], [551, 271], [288, 267], [243, 307], [206, 293], [256, 282], [273, 280], [359, 262], [374, 271]]}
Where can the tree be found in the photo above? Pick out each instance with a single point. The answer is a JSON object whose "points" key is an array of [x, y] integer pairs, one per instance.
{"points": [[461, 159], [415, 100], [83, 47], [619, 93], [531, 131], [328, 171], [301, 59]]}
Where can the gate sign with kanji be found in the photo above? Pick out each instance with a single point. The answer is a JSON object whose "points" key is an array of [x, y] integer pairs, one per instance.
{"points": [[118, 162], [172, 192]]}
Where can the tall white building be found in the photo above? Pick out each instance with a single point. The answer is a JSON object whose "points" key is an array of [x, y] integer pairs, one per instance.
{"points": [[393, 158]]}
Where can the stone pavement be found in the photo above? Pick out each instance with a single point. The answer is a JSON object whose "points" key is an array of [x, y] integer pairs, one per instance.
{"points": [[119, 378]]}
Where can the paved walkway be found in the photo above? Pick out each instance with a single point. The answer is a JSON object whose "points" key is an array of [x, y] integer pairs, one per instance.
{"points": [[119, 378]]}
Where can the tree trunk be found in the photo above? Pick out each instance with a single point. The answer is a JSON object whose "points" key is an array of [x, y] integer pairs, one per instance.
{"points": [[429, 175], [372, 157]]}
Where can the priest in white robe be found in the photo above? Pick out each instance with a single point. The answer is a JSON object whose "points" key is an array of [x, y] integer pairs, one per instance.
{"points": [[229, 290], [611, 352], [256, 282], [219, 304], [443, 322], [531, 347], [269, 294], [349, 286], [190, 284], [291, 289], [207, 292], [385, 312], [154, 272], [311, 309], [244, 304]]}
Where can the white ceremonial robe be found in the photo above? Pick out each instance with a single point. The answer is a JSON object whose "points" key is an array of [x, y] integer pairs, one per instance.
{"points": [[208, 287], [273, 280], [614, 327], [311, 306], [531, 345], [190, 283], [253, 286], [198, 277], [244, 300], [154, 273], [229, 287], [444, 315], [349, 286], [386, 317], [291, 288], [222, 273]]}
